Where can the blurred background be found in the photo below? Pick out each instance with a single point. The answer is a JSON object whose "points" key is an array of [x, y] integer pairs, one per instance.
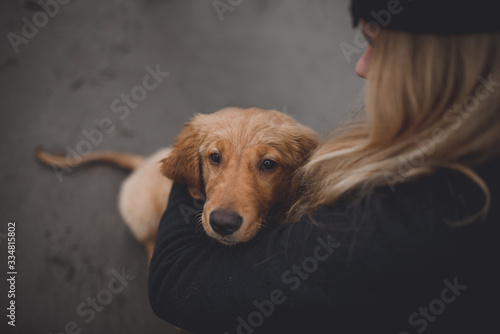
{"points": [[66, 68]]}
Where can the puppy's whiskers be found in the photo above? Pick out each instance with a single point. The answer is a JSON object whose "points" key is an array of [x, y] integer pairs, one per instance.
{"points": [[198, 220]]}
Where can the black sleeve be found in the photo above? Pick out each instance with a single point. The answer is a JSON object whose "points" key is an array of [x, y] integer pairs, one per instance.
{"points": [[294, 270], [335, 269]]}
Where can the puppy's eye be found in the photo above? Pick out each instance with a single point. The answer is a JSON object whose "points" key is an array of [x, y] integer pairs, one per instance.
{"points": [[215, 158], [268, 164]]}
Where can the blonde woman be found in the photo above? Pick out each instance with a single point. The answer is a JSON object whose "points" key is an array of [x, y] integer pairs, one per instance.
{"points": [[398, 224]]}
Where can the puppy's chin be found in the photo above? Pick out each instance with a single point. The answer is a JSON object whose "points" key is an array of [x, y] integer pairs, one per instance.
{"points": [[228, 241]]}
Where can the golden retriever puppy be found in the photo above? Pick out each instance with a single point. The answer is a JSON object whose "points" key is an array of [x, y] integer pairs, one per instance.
{"points": [[240, 161]]}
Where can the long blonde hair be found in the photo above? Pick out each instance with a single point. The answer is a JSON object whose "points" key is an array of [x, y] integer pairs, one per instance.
{"points": [[428, 105]]}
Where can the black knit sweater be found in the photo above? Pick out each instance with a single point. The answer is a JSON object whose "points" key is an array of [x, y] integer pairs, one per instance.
{"points": [[387, 264]]}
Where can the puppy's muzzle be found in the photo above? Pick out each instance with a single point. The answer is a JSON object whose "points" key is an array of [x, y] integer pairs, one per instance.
{"points": [[225, 223]]}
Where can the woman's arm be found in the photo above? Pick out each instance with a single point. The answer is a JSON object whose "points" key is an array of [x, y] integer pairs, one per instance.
{"points": [[360, 267], [285, 275]]}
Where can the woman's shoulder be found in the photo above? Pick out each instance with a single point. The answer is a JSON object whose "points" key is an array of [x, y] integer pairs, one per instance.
{"points": [[438, 212], [446, 195]]}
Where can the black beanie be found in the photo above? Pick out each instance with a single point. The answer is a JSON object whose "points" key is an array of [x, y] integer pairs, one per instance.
{"points": [[429, 16]]}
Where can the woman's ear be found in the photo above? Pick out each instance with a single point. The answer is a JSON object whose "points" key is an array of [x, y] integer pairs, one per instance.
{"points": [[183, 165]]}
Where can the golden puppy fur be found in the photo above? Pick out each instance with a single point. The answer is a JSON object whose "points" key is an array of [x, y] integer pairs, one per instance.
{"points": [[239, 160]]}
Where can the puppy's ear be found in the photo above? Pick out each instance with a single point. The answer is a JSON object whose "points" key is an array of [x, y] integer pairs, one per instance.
{"points": [[305, 142], [183, 165]]}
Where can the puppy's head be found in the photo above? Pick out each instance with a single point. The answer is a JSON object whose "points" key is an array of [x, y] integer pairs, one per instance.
{"points": [[241, 162]]}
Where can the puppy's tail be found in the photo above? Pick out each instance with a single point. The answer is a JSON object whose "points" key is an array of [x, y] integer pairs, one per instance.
{"points": [[122, 160]]}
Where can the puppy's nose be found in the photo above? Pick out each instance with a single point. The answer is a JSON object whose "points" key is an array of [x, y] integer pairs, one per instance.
{"points": [[225, 223]]}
